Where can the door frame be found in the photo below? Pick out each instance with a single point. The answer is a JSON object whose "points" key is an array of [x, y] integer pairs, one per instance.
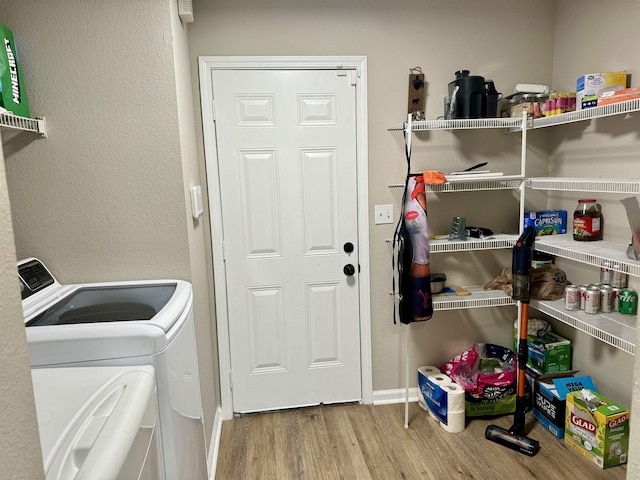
{"points": [[352, 65]]}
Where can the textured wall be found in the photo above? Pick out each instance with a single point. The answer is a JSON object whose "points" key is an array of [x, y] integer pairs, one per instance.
{"points": [[102, 198], [20, 456]]}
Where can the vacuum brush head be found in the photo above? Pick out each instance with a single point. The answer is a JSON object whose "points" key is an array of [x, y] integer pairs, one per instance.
{"points": [[516, 442]]}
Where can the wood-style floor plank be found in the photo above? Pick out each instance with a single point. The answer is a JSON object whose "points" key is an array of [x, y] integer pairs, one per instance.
{"points": [[366, 442]]}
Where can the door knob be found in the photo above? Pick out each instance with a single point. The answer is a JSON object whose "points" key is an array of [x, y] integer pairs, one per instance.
{"points": [[349, 270], [348, 247]]}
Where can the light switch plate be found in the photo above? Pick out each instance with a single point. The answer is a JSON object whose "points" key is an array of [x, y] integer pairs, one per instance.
{"points": [[196, 202], [383, 214]]}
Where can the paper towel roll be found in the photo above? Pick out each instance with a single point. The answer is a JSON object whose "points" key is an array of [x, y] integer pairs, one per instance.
{"points": [[455, 397], [455, 422], [439, 378]]}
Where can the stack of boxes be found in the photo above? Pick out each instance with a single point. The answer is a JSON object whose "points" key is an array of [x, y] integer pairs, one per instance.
{"points": [[571, 407]]}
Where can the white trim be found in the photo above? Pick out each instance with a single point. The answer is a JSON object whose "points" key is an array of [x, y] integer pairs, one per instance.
{"points": [[214, 446], [357, 63], [396, 395]]}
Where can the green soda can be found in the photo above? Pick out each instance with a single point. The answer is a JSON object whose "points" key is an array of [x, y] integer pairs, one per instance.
{"points": [[628, 302]]}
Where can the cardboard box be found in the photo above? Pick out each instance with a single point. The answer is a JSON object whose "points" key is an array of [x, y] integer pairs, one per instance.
{"points": [[590, 85], [597, 427], [548, 222], [549, 354], [549, 398], [607, 98]]}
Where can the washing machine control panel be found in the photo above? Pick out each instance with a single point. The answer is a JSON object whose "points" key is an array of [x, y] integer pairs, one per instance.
{"points": [[33, 277]]}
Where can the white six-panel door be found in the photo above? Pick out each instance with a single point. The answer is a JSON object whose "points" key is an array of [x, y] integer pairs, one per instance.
{"points": [[286, 145]]}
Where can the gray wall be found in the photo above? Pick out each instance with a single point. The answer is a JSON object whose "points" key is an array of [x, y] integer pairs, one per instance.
{"points": [[20, 455], [105, 196]]}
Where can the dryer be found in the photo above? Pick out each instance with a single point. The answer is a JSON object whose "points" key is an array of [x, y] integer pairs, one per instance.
{"points": [[123, 324], [98, 423]]}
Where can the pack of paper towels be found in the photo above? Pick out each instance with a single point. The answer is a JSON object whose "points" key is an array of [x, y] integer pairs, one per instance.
{"points": [[442, 398]]}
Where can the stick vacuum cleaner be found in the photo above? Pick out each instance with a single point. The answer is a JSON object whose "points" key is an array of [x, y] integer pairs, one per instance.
{"points": [[521, 270]]}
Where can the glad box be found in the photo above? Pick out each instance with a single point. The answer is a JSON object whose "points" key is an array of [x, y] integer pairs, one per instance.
{"points": [[549, 397], [597, 427]]}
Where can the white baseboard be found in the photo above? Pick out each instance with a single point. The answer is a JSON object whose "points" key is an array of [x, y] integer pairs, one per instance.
{"points": [[398, 395], [212, 458]]}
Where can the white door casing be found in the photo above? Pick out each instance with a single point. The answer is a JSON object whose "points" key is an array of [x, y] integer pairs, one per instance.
{"points": [[274, 185]]}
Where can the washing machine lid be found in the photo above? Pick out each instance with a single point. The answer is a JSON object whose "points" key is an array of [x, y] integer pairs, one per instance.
{"points": [[88, 417], [104, 304], [45, 302]]}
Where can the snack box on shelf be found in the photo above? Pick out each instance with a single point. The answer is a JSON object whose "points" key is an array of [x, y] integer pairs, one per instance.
{"points": [[548, 222], [615, 96], [597, 427], [590, 85], [549, 398]]}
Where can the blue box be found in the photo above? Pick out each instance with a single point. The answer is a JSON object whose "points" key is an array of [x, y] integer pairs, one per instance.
{"points": [[548, 222], [549, 399]]}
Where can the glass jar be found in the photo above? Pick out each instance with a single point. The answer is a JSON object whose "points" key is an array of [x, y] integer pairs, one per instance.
{"points": [[587, 221]]}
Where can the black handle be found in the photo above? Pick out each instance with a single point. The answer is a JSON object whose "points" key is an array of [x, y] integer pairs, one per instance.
{"points": [[349, 270], [348, 247]]}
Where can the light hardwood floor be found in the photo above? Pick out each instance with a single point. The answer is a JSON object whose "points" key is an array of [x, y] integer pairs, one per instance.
{"points": [[360, 442]]}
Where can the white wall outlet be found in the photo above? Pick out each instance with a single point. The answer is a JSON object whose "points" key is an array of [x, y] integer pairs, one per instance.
{"points": [[383, 214]]}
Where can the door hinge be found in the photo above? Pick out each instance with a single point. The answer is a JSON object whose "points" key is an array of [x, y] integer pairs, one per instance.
{"points": [[353, 77]]}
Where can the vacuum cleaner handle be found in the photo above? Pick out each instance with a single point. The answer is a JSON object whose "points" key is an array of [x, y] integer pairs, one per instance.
{"points": [[521, 265]]}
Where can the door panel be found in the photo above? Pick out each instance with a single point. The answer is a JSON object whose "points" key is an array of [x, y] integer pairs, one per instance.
{"points": [[287, 168]]}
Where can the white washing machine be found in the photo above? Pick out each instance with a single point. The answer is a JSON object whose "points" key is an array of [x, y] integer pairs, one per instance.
{"points": [[120, 324], [98, 423]]}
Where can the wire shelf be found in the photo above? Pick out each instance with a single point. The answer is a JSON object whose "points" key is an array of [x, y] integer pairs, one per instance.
{"points": [[495, 242], [479, 298], [36, 125], [591, 253], [502, 183], [602, 185], [460, 124], [617, 330], [628, 106]]}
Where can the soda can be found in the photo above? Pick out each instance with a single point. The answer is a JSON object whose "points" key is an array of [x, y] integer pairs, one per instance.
{"points": [[606, 273], [606, 299], [592, 301], [616, 298], [583, 295], [628, 302], [572, 298], [618, 278]]}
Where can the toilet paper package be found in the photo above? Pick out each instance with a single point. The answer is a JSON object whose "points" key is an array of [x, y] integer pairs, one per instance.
{"points": [[444, 399]]}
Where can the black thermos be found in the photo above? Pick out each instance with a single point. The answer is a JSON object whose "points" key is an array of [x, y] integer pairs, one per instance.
{"points": [[470, 94], [490, 101]]}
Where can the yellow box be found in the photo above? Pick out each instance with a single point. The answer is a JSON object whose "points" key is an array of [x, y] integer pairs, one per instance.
{"points": [[590, 85]]}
